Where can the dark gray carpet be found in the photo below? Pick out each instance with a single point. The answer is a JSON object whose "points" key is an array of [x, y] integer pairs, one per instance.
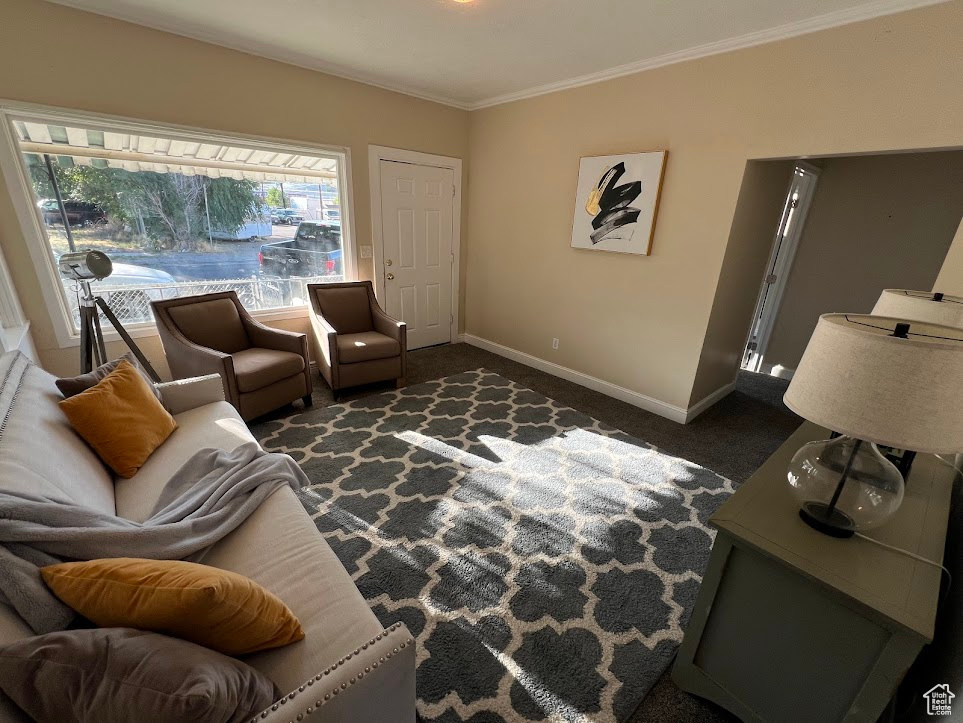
{"points": [[733, 438], [545, 562]]}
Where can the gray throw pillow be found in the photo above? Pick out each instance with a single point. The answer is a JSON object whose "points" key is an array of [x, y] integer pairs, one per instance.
{"points": [[120, 675], [70, 386]]}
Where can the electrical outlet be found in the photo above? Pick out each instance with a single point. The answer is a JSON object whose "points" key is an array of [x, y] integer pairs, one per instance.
{"points": [[555, 343], [366, 252]]}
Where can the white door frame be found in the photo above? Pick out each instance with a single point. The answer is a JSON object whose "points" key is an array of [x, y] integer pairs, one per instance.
{"points": [[780, 263], [376, 154]]}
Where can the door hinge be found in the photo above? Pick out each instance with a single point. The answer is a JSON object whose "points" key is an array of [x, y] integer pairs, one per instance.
{"points": [[771, 279], [451, 319], [751, 346], [452, 191]]}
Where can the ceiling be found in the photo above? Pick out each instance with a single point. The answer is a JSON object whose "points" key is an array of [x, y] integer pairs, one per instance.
{"points": [[483, 52]]}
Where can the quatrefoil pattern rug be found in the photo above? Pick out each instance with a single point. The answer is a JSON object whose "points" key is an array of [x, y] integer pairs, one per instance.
{"points": [[545, 562]]}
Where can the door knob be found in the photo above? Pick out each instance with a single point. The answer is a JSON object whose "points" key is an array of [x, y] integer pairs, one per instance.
{"points": [[390, 277]]}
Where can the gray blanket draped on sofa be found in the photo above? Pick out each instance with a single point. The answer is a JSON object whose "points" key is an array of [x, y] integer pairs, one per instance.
{"points": [[211, 495]]}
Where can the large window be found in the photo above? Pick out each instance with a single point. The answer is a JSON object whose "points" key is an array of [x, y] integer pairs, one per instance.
{"points": [[183, 214]]}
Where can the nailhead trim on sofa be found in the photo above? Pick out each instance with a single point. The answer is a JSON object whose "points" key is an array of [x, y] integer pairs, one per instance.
{"points": [[321, 700]]}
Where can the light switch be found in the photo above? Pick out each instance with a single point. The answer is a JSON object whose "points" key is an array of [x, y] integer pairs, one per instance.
{"points": [[366, 252]]}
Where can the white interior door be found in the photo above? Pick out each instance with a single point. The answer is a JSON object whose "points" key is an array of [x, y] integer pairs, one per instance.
{"points": [[417, 203]]}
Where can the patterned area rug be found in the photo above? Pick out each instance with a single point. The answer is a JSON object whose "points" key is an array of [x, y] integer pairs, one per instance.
{"points": [[545, 562]]}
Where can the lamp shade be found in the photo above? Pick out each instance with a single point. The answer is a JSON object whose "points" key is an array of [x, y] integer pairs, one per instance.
{"points": [[940, 309], [859, 379]]}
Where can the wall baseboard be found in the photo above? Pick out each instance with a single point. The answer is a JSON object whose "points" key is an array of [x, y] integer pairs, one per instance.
{"points": [[649, 404], [699, 407]]}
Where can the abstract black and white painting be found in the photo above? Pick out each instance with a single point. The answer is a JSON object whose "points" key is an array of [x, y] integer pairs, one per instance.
{"points": [[616, 202]]}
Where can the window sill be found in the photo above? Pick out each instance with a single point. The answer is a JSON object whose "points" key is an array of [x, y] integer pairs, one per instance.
{"points": [[291, 312], [13, 337], [149, 329]]}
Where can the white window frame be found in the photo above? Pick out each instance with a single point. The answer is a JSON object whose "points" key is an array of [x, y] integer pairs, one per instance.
{"points": [[805, 177], [17, 179]]}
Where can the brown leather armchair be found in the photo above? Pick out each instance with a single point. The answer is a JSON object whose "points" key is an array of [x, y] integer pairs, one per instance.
{"points": [[262, 368], [360, 343]]}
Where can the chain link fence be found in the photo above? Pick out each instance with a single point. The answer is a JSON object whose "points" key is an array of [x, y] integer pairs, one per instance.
{"points": [[131, 304]]}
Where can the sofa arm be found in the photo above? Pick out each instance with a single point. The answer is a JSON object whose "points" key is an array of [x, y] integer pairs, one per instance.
{"points": [[398, 331], [384, 324], [375, 682], [187, 359], [267, 337], [327, 339], [184, 394]]}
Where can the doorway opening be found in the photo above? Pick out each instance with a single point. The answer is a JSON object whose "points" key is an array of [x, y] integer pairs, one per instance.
{"points": [[791, 223], [850, 228]]}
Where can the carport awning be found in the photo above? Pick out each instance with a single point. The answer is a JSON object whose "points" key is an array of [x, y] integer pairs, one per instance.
{"points": [[130, 152]]}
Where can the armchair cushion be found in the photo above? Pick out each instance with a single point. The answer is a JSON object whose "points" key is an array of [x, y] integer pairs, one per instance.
{"points": [[346, 308], [256, 368], [215, 324], [366, 346]]}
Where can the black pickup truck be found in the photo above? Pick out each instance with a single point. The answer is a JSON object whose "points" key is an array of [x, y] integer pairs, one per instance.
{"points": [[315, 250]]}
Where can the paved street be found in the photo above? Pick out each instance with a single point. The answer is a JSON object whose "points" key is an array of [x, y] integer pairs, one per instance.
{"points": [[232, 260]]}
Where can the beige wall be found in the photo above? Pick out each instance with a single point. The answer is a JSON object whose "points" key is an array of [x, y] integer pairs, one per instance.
{"points": [[761, 200], [950, 280], [641, 322], [876, 222], [59, 56]]}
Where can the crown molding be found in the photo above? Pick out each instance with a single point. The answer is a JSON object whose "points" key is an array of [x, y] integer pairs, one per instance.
{"points": [[270, 52], [837, 18]]}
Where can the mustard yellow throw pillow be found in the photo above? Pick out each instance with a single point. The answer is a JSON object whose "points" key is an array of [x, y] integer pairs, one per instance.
{"points": [[121, 418], [220, 610]]}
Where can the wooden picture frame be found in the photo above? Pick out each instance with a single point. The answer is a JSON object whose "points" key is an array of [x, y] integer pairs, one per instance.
{"points": [[617, 201]]}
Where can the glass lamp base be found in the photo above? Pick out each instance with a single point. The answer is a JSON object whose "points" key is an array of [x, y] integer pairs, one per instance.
{"points": [[831, 522], [844, 485]]}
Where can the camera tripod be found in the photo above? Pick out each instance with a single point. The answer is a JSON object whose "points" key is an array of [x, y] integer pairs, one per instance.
{"points": [[92, 350]]}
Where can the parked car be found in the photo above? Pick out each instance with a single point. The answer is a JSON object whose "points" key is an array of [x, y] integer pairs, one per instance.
{"points": [[286, 216], [79, 213], [315, 250], [332, 216], [129, 290], [133, 275]]}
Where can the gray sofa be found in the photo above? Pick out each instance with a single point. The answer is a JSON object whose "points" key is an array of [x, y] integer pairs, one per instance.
{"points": [[347, 668]]}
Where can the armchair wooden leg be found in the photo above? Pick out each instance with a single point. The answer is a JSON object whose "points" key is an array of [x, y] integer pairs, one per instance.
{"points": [[307, 400], [401, 382]]}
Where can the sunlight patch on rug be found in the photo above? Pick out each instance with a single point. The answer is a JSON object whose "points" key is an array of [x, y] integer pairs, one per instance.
{"points": [[545, 563]]}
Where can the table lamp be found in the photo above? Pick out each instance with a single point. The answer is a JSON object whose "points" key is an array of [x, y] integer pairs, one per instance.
{"points": [[876, 381], [934, 307]]}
